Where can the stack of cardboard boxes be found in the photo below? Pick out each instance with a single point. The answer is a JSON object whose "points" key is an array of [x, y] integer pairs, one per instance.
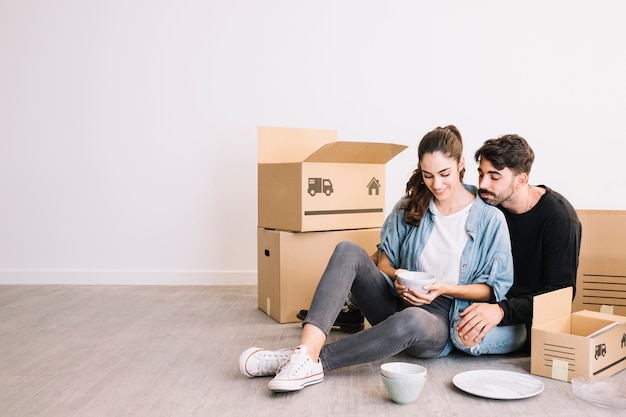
{"points": [[314, 192]]}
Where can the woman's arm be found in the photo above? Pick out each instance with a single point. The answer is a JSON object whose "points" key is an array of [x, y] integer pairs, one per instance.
{"points": [[469, 292], [384, 264]]}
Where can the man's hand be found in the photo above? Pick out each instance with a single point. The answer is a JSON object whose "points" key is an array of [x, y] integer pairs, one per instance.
{"points": [[477, 320]]}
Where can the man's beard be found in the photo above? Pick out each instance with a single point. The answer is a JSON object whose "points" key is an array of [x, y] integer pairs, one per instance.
{"points": [[491, 198]]}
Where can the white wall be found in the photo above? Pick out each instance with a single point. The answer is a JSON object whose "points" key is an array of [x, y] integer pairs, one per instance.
{"points": [[128, 128]]}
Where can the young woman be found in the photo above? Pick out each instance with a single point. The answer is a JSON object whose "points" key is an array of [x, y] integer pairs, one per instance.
{"points": [[438, 227]]}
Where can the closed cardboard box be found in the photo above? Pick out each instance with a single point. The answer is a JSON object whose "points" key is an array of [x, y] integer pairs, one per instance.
{"points": [[309, 181], [290, 265], [601, 278], [565, 345]]}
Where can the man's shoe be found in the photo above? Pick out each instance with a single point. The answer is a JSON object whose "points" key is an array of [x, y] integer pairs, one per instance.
{"points": [[350, 322], [299, 372], [262, 362]]}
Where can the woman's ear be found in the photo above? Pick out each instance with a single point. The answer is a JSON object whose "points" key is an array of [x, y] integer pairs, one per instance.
{"points": [[461, 167]]}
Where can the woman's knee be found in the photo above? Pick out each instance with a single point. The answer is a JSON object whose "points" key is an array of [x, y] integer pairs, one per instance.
{"points": [[469, 346], [349, 255], [421, 323], [430, 334], [499, 340], [347, 248]]}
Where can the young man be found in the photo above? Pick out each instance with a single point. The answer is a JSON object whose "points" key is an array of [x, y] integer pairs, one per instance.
{"points": [[545, 236]]}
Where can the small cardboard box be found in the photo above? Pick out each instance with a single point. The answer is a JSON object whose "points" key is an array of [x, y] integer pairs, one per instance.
{"points": [[291, 264], [309, 181], [565, 345], [601, 277]]}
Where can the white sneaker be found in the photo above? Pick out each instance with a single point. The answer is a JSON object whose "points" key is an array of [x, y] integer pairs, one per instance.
{"points": [[299, 372], [262, 362]]}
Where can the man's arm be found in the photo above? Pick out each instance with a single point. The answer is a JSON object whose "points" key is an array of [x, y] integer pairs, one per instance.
{"points": [[560, 245]]}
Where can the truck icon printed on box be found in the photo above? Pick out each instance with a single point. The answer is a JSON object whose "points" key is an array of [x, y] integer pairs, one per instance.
{"points": [[320, 185], [600, 350]]}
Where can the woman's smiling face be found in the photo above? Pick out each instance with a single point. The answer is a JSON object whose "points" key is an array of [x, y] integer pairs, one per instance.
{"points": [[441, 174]]}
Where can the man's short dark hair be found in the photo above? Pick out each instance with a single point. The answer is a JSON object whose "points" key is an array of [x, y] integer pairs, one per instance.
{"points": [[508, 151]]}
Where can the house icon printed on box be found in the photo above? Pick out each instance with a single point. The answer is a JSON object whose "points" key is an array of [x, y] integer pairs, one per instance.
{"points": [[373, 186]]}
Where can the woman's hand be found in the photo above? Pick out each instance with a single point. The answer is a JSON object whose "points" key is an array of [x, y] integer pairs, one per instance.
{"points": [[416, 298]]}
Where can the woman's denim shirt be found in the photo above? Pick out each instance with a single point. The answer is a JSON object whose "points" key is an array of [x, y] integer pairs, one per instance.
{"points": [[486, 258]]}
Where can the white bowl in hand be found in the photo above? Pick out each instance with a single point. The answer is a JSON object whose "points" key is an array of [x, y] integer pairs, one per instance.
{"points": [[416, 280]]}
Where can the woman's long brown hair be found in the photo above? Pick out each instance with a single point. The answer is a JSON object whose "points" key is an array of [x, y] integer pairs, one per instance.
{"points": [[446, 140]]}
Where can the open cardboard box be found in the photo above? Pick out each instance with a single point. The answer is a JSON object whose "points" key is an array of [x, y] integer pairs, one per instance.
{"points": [[565, 345], [309, 181]]}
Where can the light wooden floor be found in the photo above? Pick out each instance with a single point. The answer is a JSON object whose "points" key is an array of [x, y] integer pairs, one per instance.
{"points": [[172, 351]]}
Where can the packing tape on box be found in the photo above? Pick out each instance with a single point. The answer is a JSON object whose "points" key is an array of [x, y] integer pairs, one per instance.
{"points": [[606, 309], [560, 370]]}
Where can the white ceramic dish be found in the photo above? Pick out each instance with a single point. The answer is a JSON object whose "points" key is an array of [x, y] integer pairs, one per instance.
{"points": [[403, 370], [498, 385], [416, 280]]}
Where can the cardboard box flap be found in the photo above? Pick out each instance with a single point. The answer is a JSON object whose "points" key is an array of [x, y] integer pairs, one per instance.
{"points": [[552, 305], [284, 144], [356, 152]]}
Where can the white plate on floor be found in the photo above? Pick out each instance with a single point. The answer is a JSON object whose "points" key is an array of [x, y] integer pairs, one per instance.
{"points": [[498, 385]]}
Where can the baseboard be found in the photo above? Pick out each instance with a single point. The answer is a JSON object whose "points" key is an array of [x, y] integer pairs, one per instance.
{"points": [[94, 277]]}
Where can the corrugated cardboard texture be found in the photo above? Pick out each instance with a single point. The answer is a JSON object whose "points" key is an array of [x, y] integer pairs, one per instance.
{"points": [[356, 152], [284, 144], [601, 278], [552, 305], [291, 264]]}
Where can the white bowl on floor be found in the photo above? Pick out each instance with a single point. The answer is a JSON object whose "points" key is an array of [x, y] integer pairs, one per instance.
{"points": [[403, 370], [406, 383]]}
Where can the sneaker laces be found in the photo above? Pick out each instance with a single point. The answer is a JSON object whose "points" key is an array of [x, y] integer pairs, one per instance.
{"points": [[297, 360], [272, 360]]}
